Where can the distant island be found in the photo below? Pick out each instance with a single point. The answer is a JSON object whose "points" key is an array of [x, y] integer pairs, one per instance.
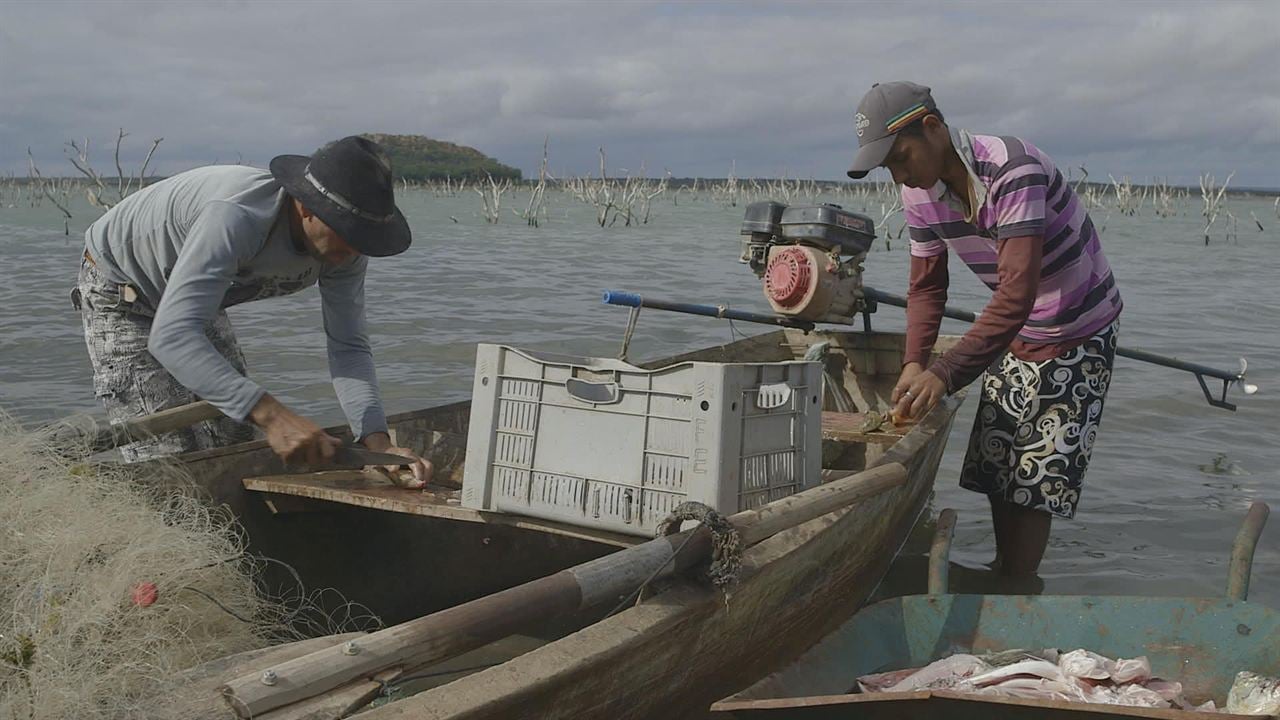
{"points": [[419, 158]]}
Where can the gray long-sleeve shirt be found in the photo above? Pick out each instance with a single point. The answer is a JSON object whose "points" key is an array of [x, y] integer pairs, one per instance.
{"points": [[214, 237]]}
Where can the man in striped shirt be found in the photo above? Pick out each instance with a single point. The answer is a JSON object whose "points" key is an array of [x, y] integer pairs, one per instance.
{"points": [[1046, 339]]}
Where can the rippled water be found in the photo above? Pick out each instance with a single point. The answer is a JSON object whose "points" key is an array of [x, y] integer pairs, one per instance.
{"points": [[1151, 521]]}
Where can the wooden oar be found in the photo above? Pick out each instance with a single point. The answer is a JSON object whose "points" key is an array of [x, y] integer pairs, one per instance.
{"points": [[450, 632], [71, 433]]}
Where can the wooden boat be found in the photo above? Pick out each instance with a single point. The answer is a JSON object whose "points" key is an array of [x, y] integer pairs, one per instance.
{"points": [[408, 553], [1199, 642]]}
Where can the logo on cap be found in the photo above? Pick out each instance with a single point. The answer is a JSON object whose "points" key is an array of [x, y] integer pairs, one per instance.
{"points": [[861, 122]]}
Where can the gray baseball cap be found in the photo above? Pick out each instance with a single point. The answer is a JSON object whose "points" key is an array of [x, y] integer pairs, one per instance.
{"points": [[884, 110]]}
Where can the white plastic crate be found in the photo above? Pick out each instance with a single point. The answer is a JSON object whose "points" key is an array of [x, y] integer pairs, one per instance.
{"points": [[605, 444]]}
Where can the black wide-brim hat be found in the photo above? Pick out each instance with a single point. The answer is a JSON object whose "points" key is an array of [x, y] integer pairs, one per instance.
{"points": [[348, 184]]}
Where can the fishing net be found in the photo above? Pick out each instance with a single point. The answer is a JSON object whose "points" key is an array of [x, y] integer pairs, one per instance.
{"points": [[115, 578]]}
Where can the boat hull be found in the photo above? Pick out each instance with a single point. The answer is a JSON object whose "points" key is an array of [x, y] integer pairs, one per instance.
{"points": [[686, 646]]}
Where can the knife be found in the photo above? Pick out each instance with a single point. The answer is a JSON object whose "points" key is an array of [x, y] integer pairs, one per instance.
{"points": [[355, 457]]}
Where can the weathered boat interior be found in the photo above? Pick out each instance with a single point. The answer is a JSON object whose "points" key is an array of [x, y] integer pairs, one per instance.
{"points": [[405, 554]]}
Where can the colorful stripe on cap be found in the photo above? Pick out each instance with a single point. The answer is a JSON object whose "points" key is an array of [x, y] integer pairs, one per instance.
{"points": [[906, 117]]}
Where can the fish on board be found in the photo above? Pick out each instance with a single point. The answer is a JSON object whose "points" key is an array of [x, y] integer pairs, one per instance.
{"points": [[1026, 668], [943, 673], [1254, 694], [1084, 664], [1075, 676]]}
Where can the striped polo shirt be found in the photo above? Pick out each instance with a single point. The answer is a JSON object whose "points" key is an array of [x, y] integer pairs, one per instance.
{"points": [[1019, 192]]}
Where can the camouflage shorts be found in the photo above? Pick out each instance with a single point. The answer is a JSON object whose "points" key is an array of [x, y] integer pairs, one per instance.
{"points": [[130, 382]]}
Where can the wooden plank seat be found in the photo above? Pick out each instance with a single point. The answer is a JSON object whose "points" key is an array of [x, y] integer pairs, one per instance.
{"points": [[371, 490]]}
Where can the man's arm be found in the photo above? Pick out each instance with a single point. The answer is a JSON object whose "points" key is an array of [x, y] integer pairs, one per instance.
{"points": [[926, 299], [1018, 266], [221, 238], [350, 355], [351, 365]]}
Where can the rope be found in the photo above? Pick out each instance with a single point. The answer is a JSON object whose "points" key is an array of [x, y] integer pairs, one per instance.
{"points": [[726, 544], [734, 335], [388, 687], [632, 319], [215, 601]]}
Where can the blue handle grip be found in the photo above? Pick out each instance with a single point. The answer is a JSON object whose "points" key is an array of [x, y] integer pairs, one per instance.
{"points": [[622, 297], [635, 300]]}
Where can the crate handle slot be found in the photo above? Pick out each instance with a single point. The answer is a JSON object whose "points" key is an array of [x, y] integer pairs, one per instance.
{"points": [[773, 396], [604, 393]]}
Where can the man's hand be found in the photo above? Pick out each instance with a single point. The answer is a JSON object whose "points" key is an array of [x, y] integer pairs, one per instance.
{"points": [[422, 469], [916, 392], [294, 438], [909, 373]]}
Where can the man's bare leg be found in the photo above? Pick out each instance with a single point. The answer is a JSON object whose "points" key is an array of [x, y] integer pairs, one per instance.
{"points": [[1021, 536], [1000, 524]]}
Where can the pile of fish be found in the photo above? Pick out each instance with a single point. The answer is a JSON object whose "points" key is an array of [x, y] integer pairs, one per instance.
{"points": [[1076, 676]]}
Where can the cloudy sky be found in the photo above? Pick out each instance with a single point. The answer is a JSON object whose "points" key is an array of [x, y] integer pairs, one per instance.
{"points": [[1127, 87]]}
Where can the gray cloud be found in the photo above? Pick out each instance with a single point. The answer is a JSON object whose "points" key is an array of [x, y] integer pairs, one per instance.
{"points": [[1167, 89]]}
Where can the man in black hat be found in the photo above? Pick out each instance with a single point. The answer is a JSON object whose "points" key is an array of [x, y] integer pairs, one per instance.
{"points": [[161, 267]]}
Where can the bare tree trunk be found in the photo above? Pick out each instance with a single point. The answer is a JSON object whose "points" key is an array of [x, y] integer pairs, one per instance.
{"points": [[1212, 200], [537, 199], [97, 192], [38, 179]]}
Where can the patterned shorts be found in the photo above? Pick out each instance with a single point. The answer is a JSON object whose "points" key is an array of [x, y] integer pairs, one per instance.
{"points": [[129, 382], [1036, 425]]}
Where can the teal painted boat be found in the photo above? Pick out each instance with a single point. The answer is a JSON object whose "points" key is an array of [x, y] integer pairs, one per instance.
{"points": [[1199, 642]]}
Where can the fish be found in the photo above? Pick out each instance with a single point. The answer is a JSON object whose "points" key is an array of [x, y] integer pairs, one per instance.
{"points": [[878, 682], [1009, 657], [871, 422], [943, 673], [1254, 694], [1084, 664], [1034, 668], [1076, 676], [1169, 690], [1136, 695], [1036, 688], [1133, 670]]}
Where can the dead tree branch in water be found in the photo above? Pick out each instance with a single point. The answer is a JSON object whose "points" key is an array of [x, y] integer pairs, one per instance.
{"points": [[1212, 196], [1163, 198], [728, 191], [81, 162], [1128, 199], [537, 199], [43, 185], [648, 197], [97, 192], [887, 211], [492, 198]]}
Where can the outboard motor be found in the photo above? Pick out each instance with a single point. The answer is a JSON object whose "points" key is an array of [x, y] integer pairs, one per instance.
{"points": [[809, 257]]}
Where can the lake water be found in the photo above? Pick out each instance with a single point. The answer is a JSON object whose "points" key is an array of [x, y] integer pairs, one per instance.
{"points": [[1151, 521]]}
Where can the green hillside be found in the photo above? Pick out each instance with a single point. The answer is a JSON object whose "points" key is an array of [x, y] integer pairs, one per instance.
{"points": [[416, 157]]}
